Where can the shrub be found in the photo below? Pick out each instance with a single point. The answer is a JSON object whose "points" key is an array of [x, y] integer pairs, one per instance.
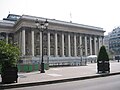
{"points": [[9, 54], [103, 55]]}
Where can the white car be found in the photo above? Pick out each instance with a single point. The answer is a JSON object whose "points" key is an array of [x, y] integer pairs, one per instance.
{"points": [[92, 58]]}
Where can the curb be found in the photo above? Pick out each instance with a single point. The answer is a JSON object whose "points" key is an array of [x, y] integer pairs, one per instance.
{"points": [[2, 86]]}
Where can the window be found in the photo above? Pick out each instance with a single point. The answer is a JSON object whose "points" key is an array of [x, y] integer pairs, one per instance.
{"points": [[37, 36], [45, 37], [45, 51]]}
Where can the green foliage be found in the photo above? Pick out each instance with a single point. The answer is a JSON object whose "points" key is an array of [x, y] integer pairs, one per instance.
{"points": [[103, 55], [9, 54]]}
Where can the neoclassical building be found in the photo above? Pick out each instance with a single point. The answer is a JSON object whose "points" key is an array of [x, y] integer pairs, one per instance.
{"points": [[60, 39]]}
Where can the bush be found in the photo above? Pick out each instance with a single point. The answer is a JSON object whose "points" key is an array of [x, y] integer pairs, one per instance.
{"points": [[9, 54], [103, 61], [103, 55]]}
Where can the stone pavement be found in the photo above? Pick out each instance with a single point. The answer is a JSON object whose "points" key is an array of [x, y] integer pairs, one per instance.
{"points": [[61, 74]]}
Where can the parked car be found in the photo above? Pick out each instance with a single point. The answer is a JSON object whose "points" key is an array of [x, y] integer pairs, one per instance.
{"points": [[92, 58]]}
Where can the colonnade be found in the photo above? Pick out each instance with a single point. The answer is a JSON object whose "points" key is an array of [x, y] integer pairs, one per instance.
{"points": [[90, 43]]}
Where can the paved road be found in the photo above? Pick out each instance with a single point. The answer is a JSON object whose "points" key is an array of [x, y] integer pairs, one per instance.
{"points": [[103, 83]]}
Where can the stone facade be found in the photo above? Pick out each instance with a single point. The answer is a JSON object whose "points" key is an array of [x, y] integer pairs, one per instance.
{"points": [[60, 39]]}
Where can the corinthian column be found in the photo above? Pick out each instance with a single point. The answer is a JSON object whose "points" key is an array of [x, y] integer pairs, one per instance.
{"points": [[23, 42], [85, 45], [56, 46], [62, 44], [75, 53], [90, 45], [7, 38], [81, 46], [95, 45], [69, 50], [32, 42], [40, 43], [48, 43], [100, 44]]}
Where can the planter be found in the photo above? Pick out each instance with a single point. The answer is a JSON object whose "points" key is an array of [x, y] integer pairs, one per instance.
{"points": [[9, 56], [0, 69], [103, 66], [9, 75]]}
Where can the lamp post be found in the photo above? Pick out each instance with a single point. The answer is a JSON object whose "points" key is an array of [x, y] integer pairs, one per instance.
{"points": [[41, 26]]}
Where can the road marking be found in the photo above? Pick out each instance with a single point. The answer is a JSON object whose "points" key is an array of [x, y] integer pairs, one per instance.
{"points": [[56, 69], [54, 75]]}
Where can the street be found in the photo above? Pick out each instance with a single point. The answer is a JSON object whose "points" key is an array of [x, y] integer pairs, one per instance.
{"points": [[103, 83]]}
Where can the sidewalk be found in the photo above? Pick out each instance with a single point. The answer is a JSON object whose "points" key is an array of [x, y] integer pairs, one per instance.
{"points": [[61, 74]]}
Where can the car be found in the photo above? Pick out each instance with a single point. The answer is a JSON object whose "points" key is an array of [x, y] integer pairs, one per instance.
{"points": [[92, 58]]}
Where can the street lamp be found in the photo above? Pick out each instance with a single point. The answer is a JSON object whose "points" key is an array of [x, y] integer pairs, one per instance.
{"points": [[41, 26]]}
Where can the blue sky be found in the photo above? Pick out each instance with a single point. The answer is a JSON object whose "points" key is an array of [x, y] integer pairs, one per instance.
{"points": [[100, 13]]}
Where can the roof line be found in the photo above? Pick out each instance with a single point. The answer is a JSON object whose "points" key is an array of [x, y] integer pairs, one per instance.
{"points": [[61, 22]]}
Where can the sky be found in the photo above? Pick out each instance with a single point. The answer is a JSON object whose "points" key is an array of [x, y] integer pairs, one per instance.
{"points": [[99, 13]]}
